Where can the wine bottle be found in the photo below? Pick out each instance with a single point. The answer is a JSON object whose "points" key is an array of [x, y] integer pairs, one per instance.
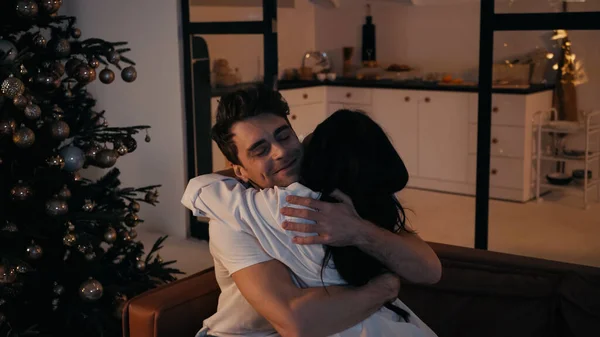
{"points": [[368, 40]]}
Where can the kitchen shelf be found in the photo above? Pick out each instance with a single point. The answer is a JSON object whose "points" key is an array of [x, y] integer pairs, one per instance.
{"points": [[575, 186], [586, 128]]}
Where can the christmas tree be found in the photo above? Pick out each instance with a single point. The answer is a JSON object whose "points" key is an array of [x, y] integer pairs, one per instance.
{"points": [[68, 256]]}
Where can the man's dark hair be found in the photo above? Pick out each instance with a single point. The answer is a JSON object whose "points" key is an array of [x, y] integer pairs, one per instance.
{"points": [[240, 105]]}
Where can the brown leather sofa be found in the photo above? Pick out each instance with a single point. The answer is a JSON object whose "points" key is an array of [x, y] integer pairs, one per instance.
{"points": [[482, 293]]}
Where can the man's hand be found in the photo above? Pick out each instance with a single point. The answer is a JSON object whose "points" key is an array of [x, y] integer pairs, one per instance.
{"points": [[337, 224]]}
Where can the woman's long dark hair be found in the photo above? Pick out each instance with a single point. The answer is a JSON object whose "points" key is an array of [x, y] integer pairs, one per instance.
{"points": [[352, 153]]}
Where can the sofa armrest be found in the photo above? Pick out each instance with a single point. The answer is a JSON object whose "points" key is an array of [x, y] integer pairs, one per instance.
{"points": [[175, 309]]}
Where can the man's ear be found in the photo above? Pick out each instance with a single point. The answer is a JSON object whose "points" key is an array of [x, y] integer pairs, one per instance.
{"points": [[240, 172]]}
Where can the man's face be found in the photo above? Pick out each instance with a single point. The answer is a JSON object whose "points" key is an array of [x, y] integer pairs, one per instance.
{"points": [[269, 151]]}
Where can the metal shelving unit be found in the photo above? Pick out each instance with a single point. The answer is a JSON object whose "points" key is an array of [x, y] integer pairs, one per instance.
{"points": [[589, 128]]}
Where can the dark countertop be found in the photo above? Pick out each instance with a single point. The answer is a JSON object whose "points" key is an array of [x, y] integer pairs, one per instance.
{"points": [[389, 84]]}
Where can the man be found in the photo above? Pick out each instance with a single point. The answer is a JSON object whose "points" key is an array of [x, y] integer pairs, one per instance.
{"points": [[254, 134]]}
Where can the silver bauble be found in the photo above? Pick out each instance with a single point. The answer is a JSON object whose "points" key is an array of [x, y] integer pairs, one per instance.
{"points": [[91, 152], [141, 265], [39, 41], [88, 206], [24, 138], [133, 233], [73, 157], [12, 87], [34, 251], [91, 290], [113, 57], [134, 206], [106, 158], [122, 150], [56, 161], [129, 74], [75, 33], [56, 207], [7, 127], [110, 235], [60, 130], [94, 63], [107, 76], [32, 111], [131, 220], [51, 6], [8, 52]]}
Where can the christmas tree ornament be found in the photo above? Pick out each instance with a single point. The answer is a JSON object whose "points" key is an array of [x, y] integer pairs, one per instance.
{"points": [[147, 139], [69, 239], [20, 102], [39, 41], [110, 235], [74, 158], [23, 269], [64, 193], [12, 87], [130, 143], [141, 265], [60, 130], [8, 52], [34, 252], [76, 176], [44, 81], [51, 6], [88, 206], [24, 138], [56, 207], [133, 233], [75, 33], [7, 275], [134, 206], [22, 70], [91, 152], [10, 227], [56, 161], [113, 57], [61, 47], [151, 197], [84, 249], [71, 66], [91, 290], [129, 74], [27, 9], [21, 192], [94, 63], [126, 236], [57, 112], [70, 226], [58, 69], [106, 158], [32, 111], [122, 150], [107, 76], [58, 289], [84, 74], [131, 220], [159, 259], [7, 127]]}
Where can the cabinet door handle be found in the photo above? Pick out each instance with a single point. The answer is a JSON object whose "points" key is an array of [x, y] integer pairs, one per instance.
{"points": [[348, 94], [305, 96], [293, 117], [495, 109], [407, 99], [494, 140], [494, 171], [427, 99]]}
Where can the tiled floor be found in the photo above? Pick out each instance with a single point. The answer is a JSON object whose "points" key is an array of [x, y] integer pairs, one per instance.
{"points": [[556, 229]]}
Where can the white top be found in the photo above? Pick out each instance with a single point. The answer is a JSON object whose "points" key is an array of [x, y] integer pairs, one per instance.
{"points": [[245, 229]]}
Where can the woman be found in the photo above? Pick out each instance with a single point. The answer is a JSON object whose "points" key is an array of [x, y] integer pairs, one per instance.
{"points": [[349, 152]]}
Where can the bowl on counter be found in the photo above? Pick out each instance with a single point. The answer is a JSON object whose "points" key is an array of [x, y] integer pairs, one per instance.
{"points": [[557, 178]]}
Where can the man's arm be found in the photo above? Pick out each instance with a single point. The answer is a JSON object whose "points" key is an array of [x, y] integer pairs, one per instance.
{"points": [[338, 224], [296, 312]]}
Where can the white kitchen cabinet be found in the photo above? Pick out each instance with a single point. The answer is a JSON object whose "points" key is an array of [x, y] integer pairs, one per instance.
{"points": [[305, 118], [396, 111], [443, 135]]}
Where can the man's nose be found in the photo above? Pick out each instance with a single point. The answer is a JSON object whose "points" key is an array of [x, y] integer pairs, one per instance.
{"points": [[277, 150]]}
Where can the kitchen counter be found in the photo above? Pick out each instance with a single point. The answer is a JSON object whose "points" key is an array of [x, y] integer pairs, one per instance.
{"points": [[390, 84]]}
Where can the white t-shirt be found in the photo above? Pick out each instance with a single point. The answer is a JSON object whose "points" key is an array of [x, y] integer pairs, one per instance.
{"points": [[252, 217]]}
